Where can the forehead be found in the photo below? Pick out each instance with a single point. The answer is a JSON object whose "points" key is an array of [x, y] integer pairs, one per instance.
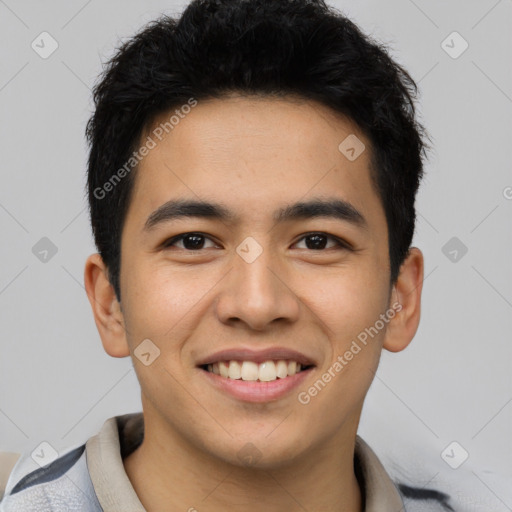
{"points": [[253, 152]]}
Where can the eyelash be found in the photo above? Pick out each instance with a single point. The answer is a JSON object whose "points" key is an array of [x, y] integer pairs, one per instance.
{"points": [[341, 244]]}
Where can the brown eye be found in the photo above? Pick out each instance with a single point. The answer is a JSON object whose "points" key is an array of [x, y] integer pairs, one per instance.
{"points": [[189, 241], [319, 241]]}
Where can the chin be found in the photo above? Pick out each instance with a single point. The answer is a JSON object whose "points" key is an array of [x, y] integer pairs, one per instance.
{"points": [[262, 452]]}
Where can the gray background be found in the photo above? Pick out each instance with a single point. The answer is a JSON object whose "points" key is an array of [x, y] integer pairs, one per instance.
{"points": [[453, 383]]}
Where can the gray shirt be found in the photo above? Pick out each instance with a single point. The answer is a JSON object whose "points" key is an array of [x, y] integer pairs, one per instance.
{"points": [[91, 477]]}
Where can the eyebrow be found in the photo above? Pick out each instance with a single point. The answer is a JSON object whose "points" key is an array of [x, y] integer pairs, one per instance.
{"points": [[179, 208], [326, 208], [334, 208]]}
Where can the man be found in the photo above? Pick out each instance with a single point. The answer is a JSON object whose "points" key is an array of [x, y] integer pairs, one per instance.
{"points": [[252, 175]]}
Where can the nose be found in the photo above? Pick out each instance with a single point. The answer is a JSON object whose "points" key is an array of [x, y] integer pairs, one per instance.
{"points": [[257, 294]]}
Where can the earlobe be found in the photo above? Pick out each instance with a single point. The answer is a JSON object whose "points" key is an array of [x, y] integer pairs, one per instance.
{"points": [[105, 307], [407, 296]]}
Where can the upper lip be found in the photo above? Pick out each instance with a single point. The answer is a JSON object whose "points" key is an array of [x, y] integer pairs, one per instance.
{"points": [[257, 356]]}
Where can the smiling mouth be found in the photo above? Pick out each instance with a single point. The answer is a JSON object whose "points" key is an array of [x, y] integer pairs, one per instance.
{"points": [[267, 371]]}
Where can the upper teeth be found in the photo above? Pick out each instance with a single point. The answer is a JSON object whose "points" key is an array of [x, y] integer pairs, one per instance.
{"points": [[249, 370]]}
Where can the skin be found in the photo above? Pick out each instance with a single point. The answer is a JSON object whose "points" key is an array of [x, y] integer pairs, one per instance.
{"points": [[253, 155]]}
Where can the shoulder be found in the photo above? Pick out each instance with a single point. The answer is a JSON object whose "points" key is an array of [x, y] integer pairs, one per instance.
{"points": [[382, 491], [420, 499], [62, 485]]}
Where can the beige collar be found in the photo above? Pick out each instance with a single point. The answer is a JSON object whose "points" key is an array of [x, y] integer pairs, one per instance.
{"points": [[105, 455], [103, 452]]}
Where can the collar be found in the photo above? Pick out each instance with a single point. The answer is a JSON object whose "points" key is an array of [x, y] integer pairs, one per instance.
{"points": [[120, 435]]}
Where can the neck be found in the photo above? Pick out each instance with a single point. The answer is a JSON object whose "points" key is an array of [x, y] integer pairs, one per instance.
{"points": [[168, 473]]}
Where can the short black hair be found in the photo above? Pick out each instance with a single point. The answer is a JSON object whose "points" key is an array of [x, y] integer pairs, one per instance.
{"points": [[277, 48]]}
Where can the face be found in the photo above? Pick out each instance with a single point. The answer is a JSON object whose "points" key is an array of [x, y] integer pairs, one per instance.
{"points": [[254, 283]]}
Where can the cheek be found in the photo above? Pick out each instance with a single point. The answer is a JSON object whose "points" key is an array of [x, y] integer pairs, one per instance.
{"points": [[162, 303], [350, 306], [355, 349], [348, 301]]}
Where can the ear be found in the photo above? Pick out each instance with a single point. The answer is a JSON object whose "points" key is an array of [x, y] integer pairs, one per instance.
{"points": [[105, 307], [406, 294]]}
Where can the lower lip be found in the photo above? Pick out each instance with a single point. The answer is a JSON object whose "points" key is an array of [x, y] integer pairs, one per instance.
{"points": [[257, 391]]}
